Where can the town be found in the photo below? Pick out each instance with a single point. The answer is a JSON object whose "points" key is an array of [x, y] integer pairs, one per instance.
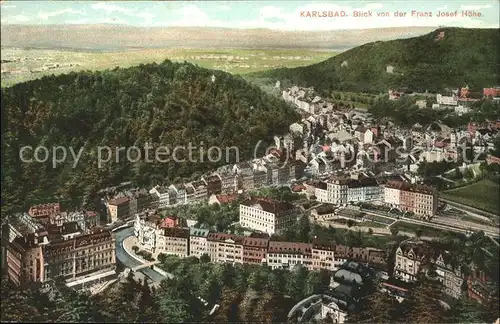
{"points": [[345, 171]]}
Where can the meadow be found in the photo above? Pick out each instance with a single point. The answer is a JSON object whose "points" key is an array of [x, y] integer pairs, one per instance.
{"points": [[482, 195], [20, 65]]}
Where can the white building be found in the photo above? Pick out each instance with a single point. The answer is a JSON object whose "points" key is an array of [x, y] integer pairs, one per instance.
{"points": [[334, 311], [267, 216], [461, 110], [409, 258], [447, 100], [198, 242], [163, 196], [344, 191], [286, 255]]}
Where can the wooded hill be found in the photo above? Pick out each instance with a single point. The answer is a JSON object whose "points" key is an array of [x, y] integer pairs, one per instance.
{"points": [[444, 58], [170, 104]]}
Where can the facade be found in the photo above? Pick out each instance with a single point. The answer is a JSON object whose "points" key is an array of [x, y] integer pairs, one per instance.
{"points": [[418, 199], [200, 190], [146, 231], [229, 247], [287, 255], [323, 256], [45, 211], [254, 250], [267, 215], [119, 208], [174, 241], [163, 196], [409, 258], [34, 258], [449, 275], [198, 242], [179, 191], [344, 190], [214, 185]]}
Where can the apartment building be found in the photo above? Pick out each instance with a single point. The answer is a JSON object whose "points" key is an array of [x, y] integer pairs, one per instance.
{"points": [[174, 241], [214, 185], [119, 208], [163, 196], [200, 190], [321, 192], [418, 199], [259, 179], [255, 249], [229, 247], [198, 242], [146, 231], [246, 180], [229, 181], [449, 274], [410, 256], [323, 256], [179, 192], [287, 255], [267, 215]]}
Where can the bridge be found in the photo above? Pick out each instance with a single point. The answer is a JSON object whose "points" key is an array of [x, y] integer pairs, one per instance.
{"points": [[144, 265]]}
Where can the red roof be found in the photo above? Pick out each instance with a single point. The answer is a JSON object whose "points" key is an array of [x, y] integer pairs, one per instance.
{"points": [[225, 199]]}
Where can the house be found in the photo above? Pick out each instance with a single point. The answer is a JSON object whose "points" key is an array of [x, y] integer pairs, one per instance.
{"points": [[418, 199], [389, 69], [200, 190], [169, 222], [491, 92], [44, 211], [447, 100], [323, 255], [449, 274]]}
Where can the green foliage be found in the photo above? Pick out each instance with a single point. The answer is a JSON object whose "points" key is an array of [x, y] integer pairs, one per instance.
{"points": [[169, 104], [464, 56]]}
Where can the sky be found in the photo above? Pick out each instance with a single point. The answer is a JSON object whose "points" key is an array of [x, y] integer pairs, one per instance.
{"points": [[279, 15]]}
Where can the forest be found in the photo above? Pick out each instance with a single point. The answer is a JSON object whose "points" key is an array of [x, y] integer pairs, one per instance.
{"points": [[167, 104]]}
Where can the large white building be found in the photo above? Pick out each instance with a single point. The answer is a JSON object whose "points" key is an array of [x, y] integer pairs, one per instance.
{"points": [[267, 215], [344, 191]]}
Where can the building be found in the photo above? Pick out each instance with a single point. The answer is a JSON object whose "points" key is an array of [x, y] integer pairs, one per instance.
{"points": [[198, 242], [287, 255], [163, 196], [255, 250], [42, 255], [491, 92], [214, 185], [323, 256], [246, 180], [45, 211], [118, 208], [449, 274], [342, 191], [146, 231], [267, 215], [418, 199], [174, 241], [410, 255], [179, 191], [229, 247], [200, 190], [221, 199], [447, 100]]}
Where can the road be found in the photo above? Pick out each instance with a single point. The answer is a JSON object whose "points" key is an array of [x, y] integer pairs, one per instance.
{"points": [[127, 260]]}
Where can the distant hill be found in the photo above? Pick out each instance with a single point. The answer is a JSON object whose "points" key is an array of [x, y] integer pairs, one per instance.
{"points": [[118, 38], [447, 57], [168, 104]]}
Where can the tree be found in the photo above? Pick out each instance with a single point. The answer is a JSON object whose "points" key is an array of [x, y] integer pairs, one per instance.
{"points": [[378, 307], [135, 248], [394, 230], [424, 303], [205, 258]]}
